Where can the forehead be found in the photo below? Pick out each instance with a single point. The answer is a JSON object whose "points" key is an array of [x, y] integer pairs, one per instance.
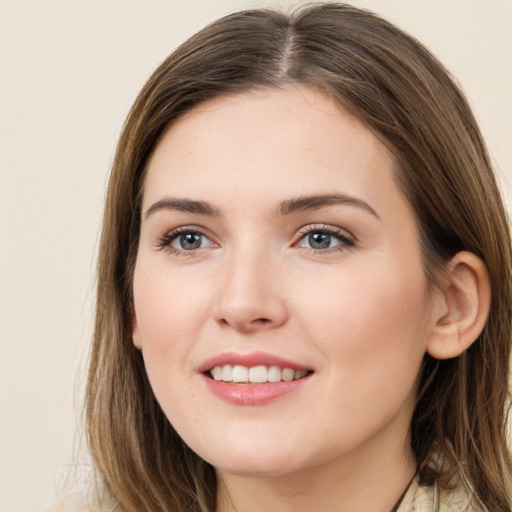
{"points": [[300, 116], [269, 143]]}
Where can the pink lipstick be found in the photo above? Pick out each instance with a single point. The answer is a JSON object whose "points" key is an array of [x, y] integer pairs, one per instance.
{"points": [[252, 379]]}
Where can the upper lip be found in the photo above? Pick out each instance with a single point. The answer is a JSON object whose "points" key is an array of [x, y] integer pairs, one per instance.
{"points": [[249, 360]]}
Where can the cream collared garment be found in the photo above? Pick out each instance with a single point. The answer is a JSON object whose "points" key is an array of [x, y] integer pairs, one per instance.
{"points": [[429, 498]]}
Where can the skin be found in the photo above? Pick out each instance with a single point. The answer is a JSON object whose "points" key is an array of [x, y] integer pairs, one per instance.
{"points": [[358, 313]]}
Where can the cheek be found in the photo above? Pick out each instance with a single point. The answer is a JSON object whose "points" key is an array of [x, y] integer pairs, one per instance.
{"points": [[166, 304], [371, 334], [170, 312], [368, 322]]}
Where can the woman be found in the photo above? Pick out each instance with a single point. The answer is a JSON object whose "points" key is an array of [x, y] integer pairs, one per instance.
{"points": [[304, 280]]}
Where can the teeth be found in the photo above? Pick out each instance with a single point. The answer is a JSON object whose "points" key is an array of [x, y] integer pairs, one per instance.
{"points": [[288, 374], [240, 373], [258, 374], [227, 373], [274, 374], [255, 374], [299, 374], [217, 373]]}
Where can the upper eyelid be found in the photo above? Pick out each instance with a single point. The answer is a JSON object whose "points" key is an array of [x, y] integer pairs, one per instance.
{"points": [[346, 241], [189, 228], [329, 228], [164, 239]]}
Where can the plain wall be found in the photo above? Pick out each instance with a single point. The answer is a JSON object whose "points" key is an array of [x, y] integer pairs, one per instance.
{"points": [[69, 71]]}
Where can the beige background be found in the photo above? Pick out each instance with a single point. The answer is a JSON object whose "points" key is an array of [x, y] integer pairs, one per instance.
{"points": [[69, 72]]}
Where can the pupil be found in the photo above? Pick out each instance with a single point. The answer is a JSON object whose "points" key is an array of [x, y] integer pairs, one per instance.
{"points": [[319, 240], [190, 241]]}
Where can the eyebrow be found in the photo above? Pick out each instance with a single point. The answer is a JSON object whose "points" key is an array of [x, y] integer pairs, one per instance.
{"points": [[184, 205], [321, 201], [285, 207]]}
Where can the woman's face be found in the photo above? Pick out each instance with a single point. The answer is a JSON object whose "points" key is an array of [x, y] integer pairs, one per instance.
{"points": [[275, 244]]}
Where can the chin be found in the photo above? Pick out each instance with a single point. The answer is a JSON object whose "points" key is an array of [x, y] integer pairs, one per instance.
{"points": [[258, 467], [267, 461]]}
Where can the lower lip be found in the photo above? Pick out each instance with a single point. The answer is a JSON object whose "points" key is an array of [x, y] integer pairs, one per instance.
{"points": [[252, 394]]}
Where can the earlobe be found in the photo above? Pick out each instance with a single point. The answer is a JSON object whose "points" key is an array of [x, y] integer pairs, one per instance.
{"points": [[464, 300], [136, 332]]}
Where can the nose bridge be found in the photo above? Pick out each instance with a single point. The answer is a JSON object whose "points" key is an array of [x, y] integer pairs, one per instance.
{"points": [[249, 295]]}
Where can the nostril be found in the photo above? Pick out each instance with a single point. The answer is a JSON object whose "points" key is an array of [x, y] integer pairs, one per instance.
{"points": [[261, 320], [255, 322]]}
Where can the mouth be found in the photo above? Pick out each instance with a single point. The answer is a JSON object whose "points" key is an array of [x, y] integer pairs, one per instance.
{"points": [[251, 379], [260, 374]]}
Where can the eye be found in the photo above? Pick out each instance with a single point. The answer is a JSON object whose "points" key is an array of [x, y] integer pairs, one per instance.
{"points": [[183, 240], [324, 238], [320, 240], [189, 241]]}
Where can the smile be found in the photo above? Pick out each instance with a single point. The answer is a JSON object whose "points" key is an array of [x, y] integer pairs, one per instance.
{"points": [[257, 378], [255, 374]]}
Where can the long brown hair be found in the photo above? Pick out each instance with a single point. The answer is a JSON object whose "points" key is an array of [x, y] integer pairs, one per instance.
{"points": [[403, 94]]}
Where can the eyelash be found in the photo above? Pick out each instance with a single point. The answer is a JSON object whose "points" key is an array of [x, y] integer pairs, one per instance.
{"points": [[165, 241], [346, 241]]}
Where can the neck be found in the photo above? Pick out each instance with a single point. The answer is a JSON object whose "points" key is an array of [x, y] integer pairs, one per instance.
{"points": [[357, 482]]}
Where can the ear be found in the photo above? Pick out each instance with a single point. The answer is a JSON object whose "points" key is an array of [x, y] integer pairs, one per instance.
{"points": [[136, 332], [462, 306]]}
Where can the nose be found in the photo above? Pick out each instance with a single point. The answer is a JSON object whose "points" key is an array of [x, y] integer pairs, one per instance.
{"points": [[251, 297]]}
